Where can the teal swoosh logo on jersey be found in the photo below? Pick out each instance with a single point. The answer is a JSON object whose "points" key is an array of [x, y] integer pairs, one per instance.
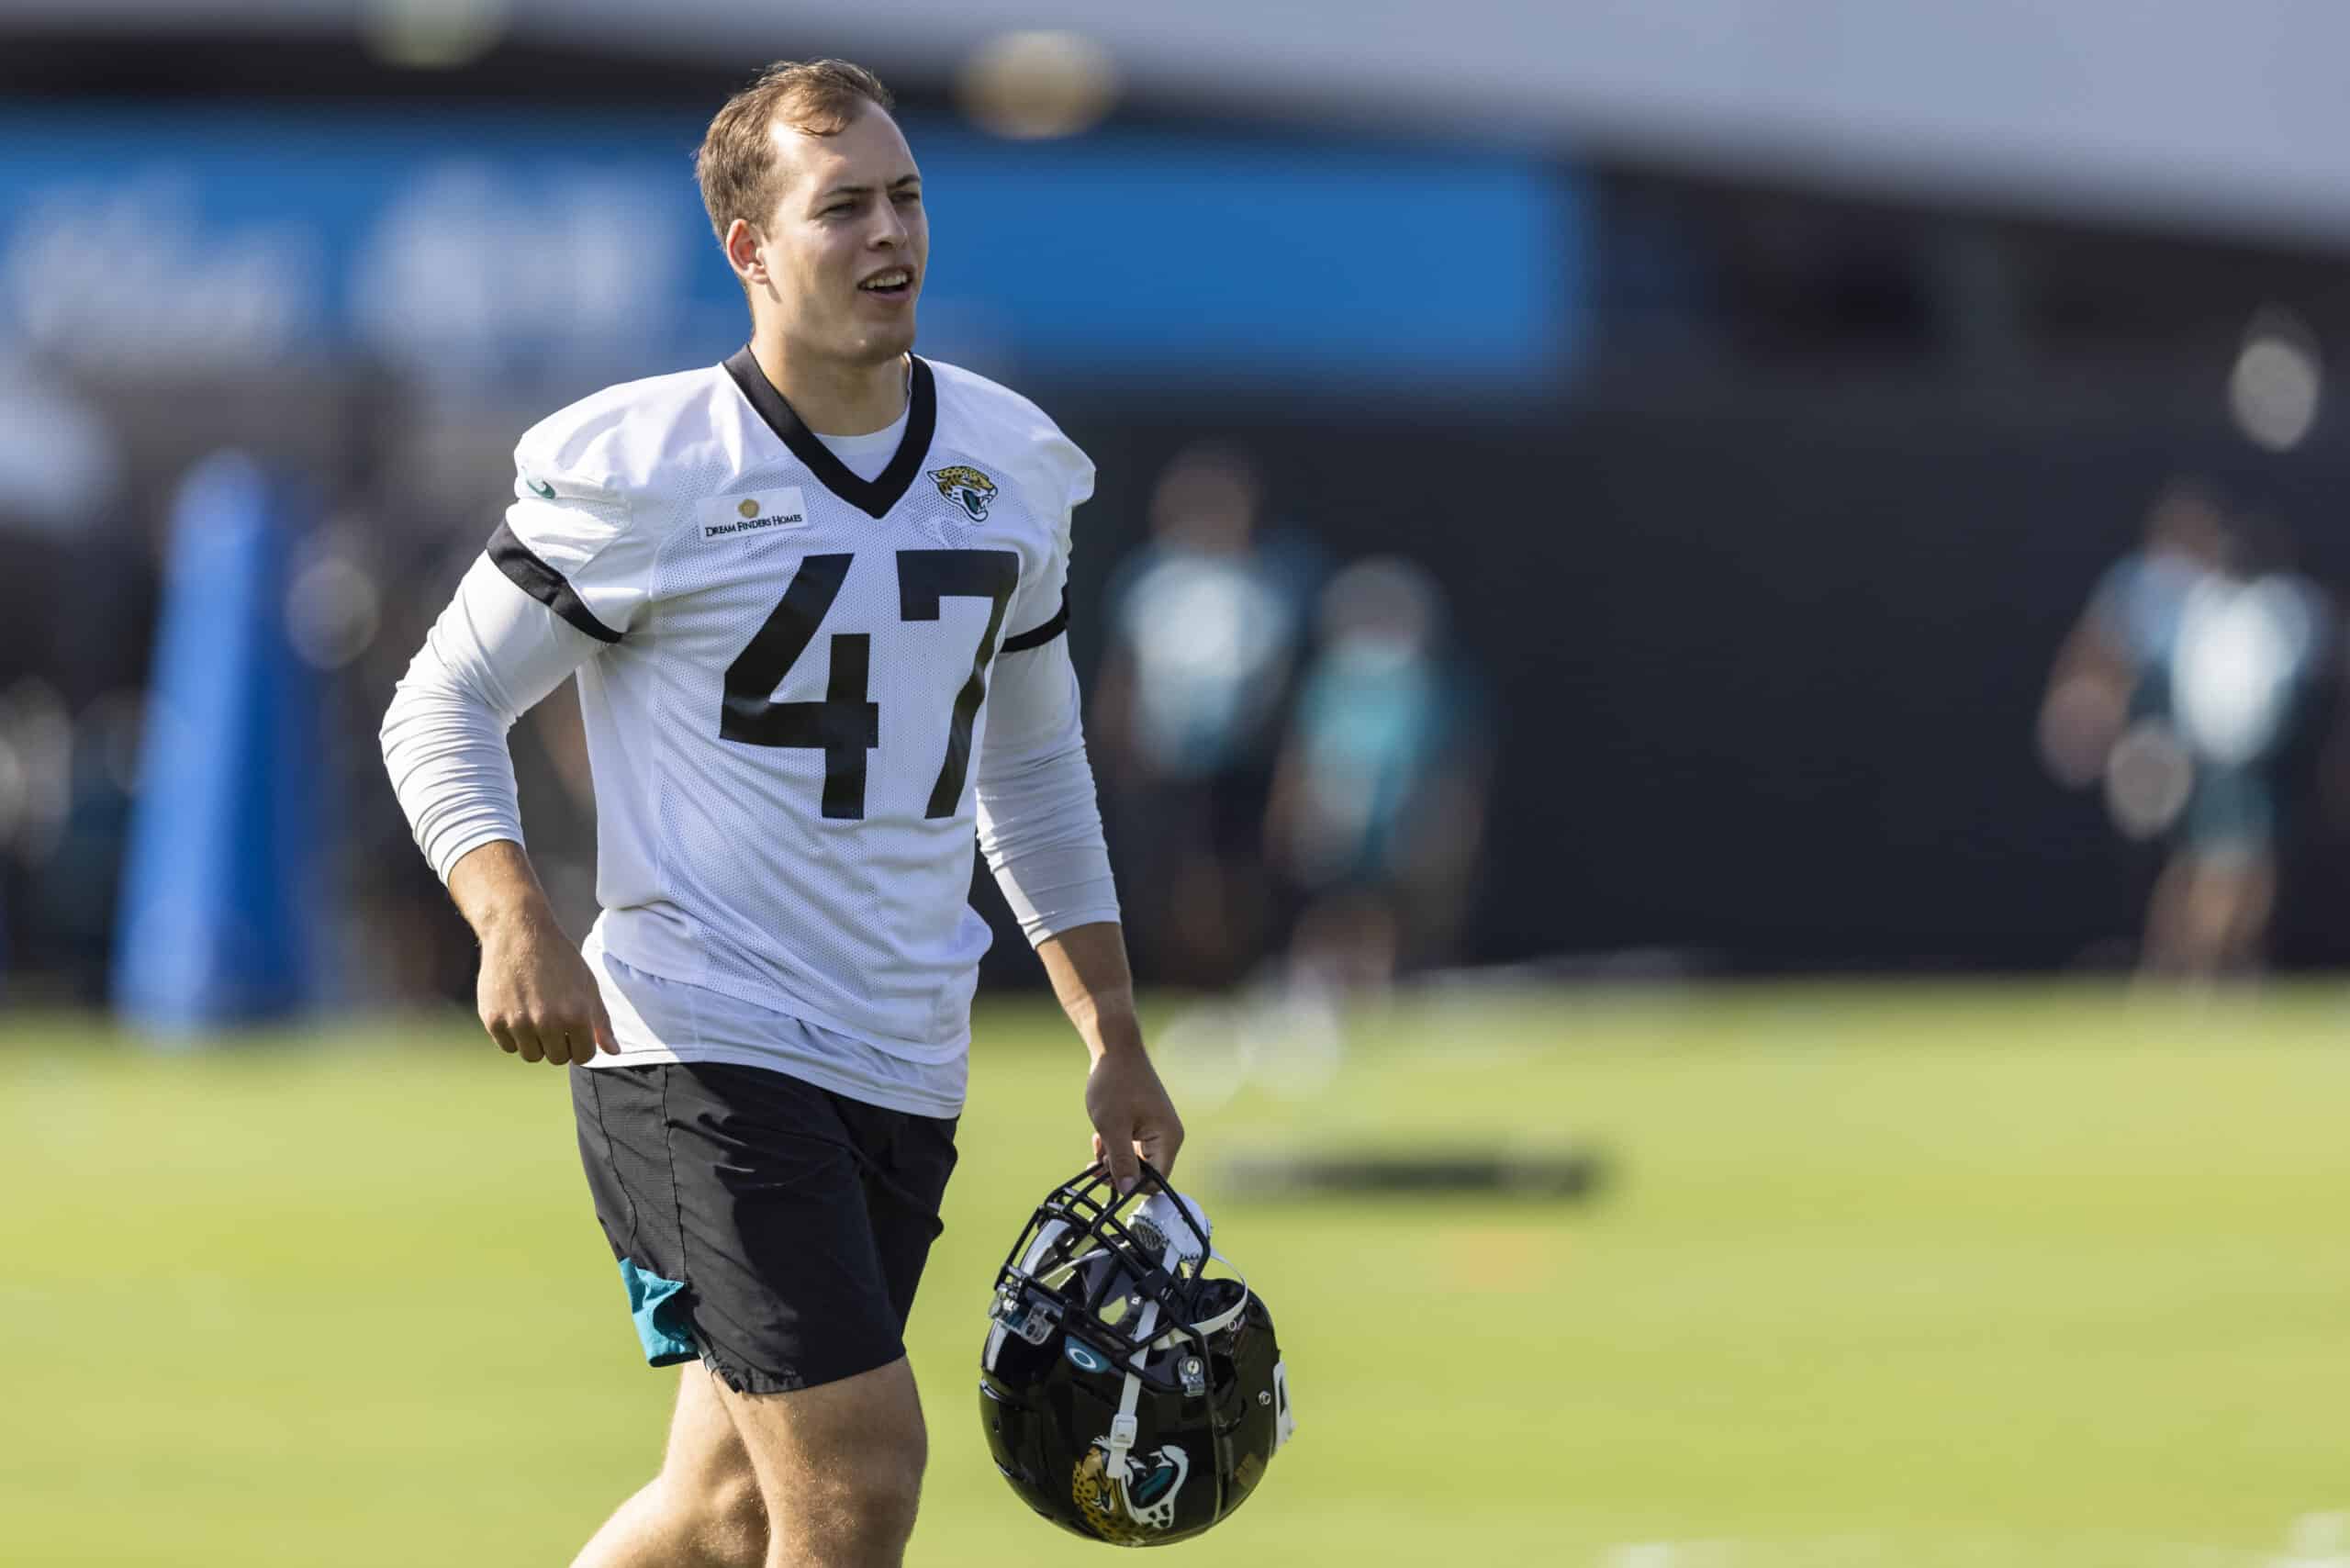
{"points": [[540, 488]]}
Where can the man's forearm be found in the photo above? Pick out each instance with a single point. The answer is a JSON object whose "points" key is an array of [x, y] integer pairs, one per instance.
{"points": [[1091, 977], [496, 889]]}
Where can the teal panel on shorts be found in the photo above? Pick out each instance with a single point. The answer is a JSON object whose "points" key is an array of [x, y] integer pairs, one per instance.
{"points": [[658, 1305]]}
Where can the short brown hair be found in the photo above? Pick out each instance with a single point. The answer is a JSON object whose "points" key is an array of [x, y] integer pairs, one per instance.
{"points": [[737, 156]]}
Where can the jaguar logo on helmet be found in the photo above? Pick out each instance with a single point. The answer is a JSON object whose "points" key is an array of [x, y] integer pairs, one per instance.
{"points": [[1128, 1500], [1120, 1299], [967, 487]]}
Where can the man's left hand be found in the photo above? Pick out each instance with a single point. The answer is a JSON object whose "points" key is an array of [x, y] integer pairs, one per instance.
{"points": [[1132, 1116]]}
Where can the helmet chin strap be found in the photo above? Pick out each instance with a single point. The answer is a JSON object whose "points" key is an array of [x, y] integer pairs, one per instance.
{"points": [[1123, 1428]]}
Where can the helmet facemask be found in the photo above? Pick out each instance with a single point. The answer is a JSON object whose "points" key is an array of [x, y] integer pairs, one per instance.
{"points": [[1124, 1276]]}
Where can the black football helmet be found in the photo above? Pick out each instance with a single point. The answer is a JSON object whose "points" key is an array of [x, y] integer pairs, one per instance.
{"points": [[1128, 1395]]}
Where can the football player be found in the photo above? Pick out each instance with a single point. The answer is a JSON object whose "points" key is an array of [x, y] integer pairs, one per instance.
{"points": [[812, 597]]}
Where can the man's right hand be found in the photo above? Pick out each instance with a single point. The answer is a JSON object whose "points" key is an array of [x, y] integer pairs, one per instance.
{"points": [[536, 996]]}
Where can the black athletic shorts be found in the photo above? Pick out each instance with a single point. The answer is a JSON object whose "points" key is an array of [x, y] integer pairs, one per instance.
{"points": [[770, 1227]]}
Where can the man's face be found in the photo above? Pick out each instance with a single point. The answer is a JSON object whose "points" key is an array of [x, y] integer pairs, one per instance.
{"points": [[847, 242]]}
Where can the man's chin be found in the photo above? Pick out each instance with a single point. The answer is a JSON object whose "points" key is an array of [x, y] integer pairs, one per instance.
{"points": [[883, 345]]}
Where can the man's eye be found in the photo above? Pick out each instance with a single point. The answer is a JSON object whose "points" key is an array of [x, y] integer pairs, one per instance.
{"points": [[907, 197]]}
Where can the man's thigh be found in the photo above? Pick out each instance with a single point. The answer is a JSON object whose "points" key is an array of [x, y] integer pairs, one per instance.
{"points": [[876, 1413]]}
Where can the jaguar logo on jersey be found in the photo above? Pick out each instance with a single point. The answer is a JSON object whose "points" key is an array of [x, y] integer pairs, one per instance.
{"points": [[1136, 1501], [725, 517], [967, 487]]}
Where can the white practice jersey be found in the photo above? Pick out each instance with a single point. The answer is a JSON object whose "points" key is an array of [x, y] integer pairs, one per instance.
{"points": [[790, 697]]}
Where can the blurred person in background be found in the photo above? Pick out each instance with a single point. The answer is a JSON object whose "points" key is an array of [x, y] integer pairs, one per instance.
{"points": [[1379, 795], [2185, 689], [78, 575], [1205, 625], [809, 665]]}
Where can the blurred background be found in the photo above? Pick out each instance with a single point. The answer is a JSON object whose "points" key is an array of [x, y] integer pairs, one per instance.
{"points": [[1713, 653]]}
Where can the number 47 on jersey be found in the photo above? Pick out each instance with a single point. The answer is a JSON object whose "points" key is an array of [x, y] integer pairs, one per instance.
{"points": [[846, 723]]}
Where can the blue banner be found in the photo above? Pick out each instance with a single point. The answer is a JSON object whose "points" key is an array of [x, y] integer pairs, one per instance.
{"points": [[471, 245]]}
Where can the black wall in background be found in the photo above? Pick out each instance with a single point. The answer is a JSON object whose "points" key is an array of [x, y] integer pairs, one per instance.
{"points": [[1765, 662], [1767, 674]]}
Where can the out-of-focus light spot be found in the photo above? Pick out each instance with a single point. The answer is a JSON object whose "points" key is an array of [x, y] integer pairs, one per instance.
{"points": [[2273, 392], [1034, 84], [433, 35], [333, 612], [2147, 779]]}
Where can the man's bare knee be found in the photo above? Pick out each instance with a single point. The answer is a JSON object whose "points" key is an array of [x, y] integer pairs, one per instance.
{"points": [[840, 1467], [855, 1506], [875, 1498], [729, 1515]]}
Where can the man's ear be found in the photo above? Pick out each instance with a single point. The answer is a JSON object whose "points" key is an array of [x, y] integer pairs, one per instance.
{"points": [[744, 252]]}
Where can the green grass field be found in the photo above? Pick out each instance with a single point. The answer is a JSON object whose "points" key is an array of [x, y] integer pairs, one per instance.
{"points": [[1888, 1276]]}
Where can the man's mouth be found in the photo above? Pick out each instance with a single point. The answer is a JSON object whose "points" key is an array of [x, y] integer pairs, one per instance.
{"points": [[894, 284]]}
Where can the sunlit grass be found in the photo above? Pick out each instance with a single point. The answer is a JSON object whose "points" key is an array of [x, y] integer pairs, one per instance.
{"points": [[1881, 1276]]}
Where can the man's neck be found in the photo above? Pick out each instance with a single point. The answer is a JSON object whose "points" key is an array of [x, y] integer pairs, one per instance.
{"points": [[831, 398]]}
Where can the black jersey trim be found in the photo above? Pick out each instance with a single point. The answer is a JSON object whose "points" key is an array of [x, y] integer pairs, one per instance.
{"points": [[873, 497], [1040, 635], [543, 583]]}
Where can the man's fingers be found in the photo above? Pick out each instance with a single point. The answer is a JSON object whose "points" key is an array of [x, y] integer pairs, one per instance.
{"points": [[1119, 1153], [580, 1035], [606, 1041], [536, 1036], [1159, 1145]]}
